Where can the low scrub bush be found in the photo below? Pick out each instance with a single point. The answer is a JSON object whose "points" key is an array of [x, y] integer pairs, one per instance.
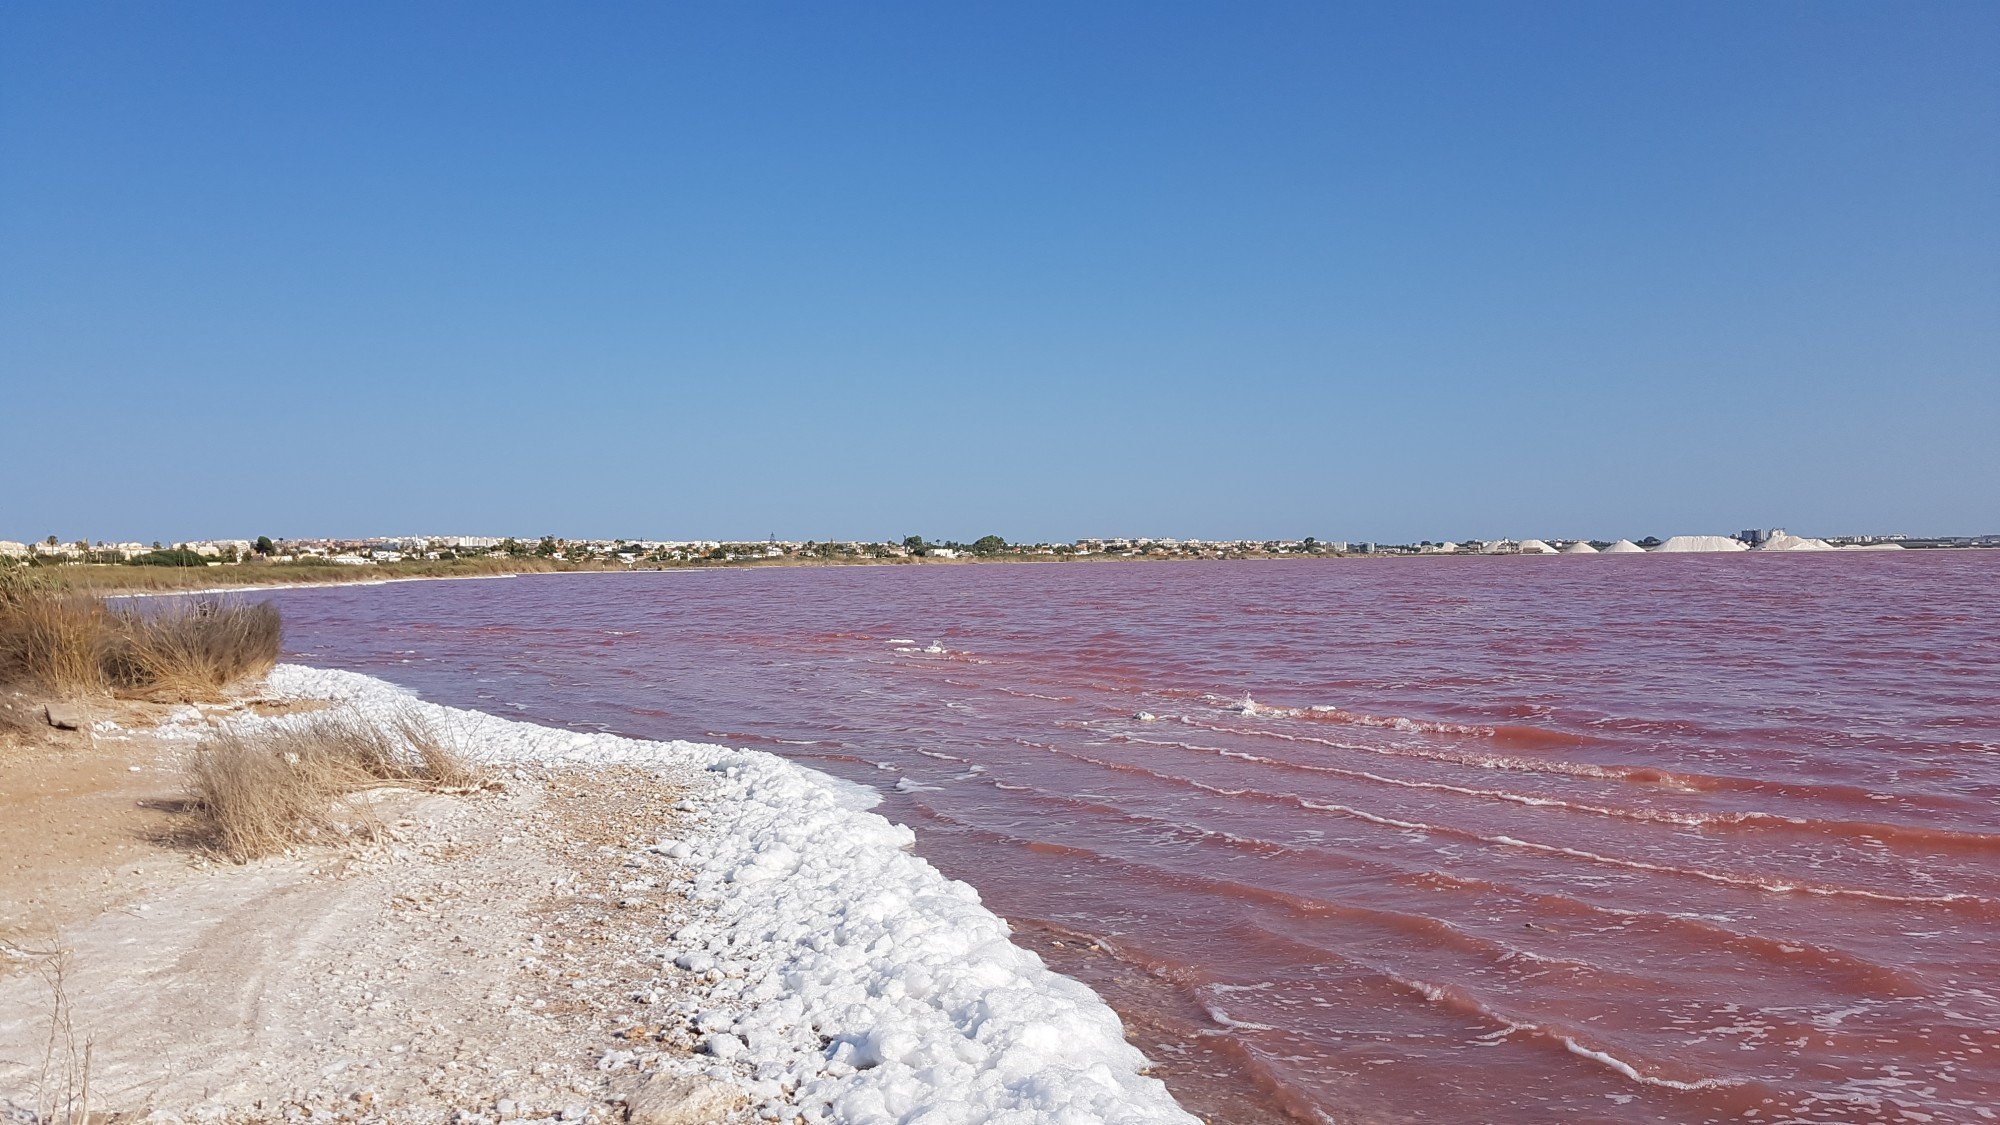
{"points": [[69, 644], [258, 794], [193, 650], [176, 556], [51, 639]]}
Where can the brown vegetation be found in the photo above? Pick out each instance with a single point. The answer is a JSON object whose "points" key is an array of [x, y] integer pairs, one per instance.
{"points": [[52, 639], [193, 650], [258, 794], [70, 644]]}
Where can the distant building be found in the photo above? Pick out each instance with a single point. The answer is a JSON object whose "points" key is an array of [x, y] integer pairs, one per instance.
{"points": [[215, 548]]}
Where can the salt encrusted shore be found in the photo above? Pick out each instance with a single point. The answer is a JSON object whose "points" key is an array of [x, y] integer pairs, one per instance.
{"points": [[848, 980]]}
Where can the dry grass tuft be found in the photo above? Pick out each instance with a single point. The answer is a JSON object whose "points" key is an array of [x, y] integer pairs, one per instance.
{"points": [[194, 650], [71, 645], [259, 794], [51, 639], [441, 757], [62, 1089]]}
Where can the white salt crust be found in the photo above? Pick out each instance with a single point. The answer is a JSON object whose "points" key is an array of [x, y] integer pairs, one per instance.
{"points": [[858, 984]]}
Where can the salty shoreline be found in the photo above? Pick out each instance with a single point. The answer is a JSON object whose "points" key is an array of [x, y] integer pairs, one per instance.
{"points": [[838, 975]]}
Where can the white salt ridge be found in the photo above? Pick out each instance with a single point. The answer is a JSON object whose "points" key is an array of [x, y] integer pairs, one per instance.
{"points": [[858, 983], [1534, 547], [1624, 547], [1579, 548], [1698, 544]]}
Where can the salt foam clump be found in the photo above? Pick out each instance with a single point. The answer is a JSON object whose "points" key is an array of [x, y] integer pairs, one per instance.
{"points": [[857, 982]]}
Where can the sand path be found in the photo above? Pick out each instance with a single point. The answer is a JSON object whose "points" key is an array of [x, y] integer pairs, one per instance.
{"points": [[498, 956]]}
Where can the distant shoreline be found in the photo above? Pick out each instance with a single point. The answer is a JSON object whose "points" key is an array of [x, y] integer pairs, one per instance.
{"points": [[389, 573]]}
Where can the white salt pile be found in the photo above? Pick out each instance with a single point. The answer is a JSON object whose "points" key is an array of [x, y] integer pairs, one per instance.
{"points": [[850, 980], [1784, 541], [1624, 547], [1581, 548], [1534, 547], [1698, 544]]}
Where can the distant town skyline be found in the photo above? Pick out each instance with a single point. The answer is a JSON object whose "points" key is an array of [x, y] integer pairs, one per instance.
{"points": [[54, 546], [1050, 270]]}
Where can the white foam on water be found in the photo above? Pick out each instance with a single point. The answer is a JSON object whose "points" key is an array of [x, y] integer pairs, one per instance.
{"points": [[1629, 1071]]}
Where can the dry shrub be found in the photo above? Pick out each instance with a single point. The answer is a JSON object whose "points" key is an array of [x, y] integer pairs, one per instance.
{"points": [[194, 650], [440, 755], [258, 794], [52, 640], [69, 644]]}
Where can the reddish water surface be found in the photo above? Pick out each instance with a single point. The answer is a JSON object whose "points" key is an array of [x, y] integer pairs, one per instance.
{"points": [[1633, 838]]}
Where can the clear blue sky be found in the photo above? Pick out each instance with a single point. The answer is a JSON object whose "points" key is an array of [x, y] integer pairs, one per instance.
{"points": [[1381, 271]]}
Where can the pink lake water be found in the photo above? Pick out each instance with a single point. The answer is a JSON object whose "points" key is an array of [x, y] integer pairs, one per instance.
{"points": [[1617, 839]]}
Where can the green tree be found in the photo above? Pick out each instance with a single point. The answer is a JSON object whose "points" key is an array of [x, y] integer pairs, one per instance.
{"points": [[547, 547], [915, 544], [988, 545], [178, 556], [265, 546]]}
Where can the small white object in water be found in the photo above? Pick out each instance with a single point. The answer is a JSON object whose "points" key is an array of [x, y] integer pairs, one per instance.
{"points": [[1146, 717]]}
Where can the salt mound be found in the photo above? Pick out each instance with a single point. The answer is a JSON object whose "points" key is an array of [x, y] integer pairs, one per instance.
{"points": [[1871, 547], [1534, 547], [1787, 542], [1698, 544], [1624, 547], [1581, 548]]}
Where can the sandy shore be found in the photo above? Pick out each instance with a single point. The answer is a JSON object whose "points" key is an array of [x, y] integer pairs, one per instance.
{"points": [[624, 930]]}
